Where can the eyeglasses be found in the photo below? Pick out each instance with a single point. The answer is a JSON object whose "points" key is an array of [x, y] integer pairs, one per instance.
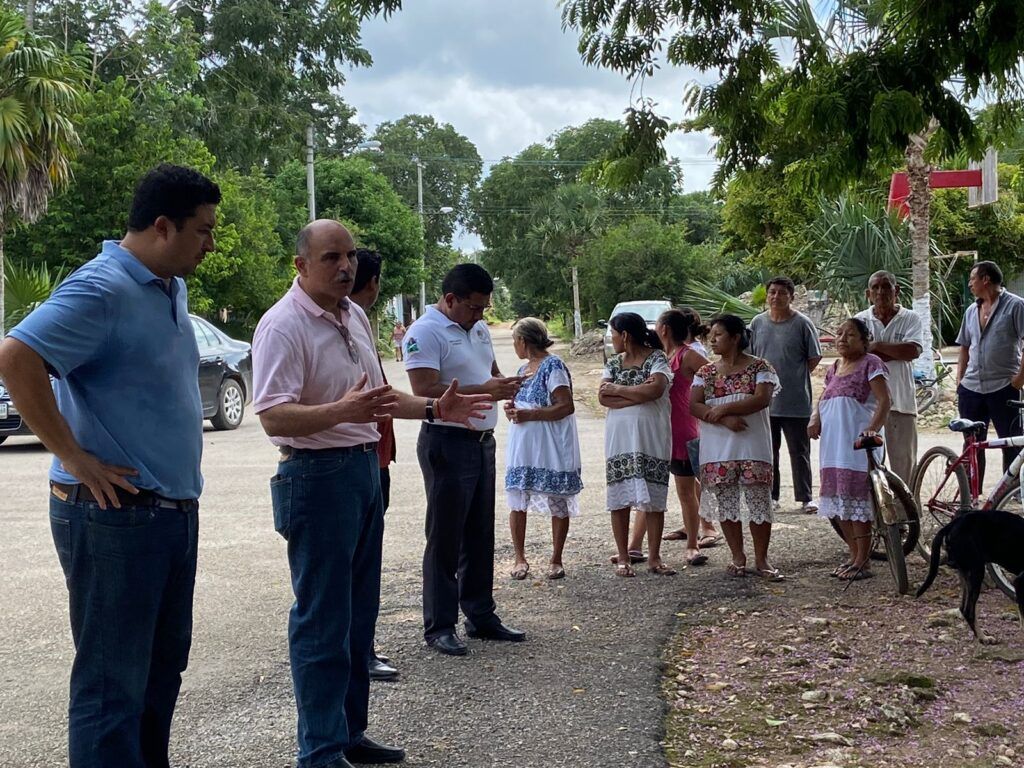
{"points": [[473, 307], [353, 350]]}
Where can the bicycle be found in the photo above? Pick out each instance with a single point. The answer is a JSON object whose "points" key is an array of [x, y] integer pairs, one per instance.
{"points": [[896, 517], [946, 485], [927, 389]]}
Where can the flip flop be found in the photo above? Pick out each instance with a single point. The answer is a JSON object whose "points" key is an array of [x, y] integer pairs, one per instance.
{"points": [[839, 569], [676, 535], [769, 574], [696, 558], [852, 575], [662, 570], [708, 540], [556, 572], [624, 570], [736, 571], [635, 556], [519, 572]]}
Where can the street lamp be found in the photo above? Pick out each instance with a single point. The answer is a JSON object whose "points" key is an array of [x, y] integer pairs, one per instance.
{"points": [[372, 146]]}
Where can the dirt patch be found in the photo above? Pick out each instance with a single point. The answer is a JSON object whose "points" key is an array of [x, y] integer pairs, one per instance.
{"points": [[798, 678]]}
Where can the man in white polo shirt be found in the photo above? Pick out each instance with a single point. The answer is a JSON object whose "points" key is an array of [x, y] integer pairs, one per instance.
{"points": [[319, 391], [896, 337], [451, 342]]}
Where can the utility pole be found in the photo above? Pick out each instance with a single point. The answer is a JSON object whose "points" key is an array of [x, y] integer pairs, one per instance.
{"points": [[310, 183], [423, 228]]}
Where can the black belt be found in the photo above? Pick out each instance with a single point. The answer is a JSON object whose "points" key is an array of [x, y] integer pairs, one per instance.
{"points": [[80, 492], [287, 452], [476, 435]]}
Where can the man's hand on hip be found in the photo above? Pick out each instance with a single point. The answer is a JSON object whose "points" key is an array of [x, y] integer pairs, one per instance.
{"points": [[100, 478]]}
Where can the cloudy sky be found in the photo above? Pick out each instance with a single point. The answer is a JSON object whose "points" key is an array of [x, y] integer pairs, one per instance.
{"points": [[505, 75]]}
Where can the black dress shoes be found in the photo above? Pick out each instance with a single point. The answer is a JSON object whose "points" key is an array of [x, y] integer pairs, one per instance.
{"points": [[381, 671], [496, 632], [449, 644], [368, 751]]}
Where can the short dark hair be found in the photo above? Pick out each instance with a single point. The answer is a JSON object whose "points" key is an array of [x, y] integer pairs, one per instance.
{"points": [[172, 191], [784, 281], [633, 325], [990, 270], [464, 279], [368, 268]]}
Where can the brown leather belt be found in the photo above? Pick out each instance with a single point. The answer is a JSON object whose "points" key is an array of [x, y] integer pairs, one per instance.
{"points": [[80, 492]]}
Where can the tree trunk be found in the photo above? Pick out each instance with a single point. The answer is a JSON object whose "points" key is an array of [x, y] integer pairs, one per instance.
{"points": [[30, 14], [919, 202], [577, 319]]}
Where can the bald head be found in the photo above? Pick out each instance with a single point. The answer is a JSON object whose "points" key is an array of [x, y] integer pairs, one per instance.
{"points": [[316, 230], [325, 257]]}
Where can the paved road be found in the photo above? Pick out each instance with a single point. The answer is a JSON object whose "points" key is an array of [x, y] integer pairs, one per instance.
{"points": [[584, 691]]}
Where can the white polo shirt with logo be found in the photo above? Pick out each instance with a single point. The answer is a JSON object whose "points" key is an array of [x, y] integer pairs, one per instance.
{"points": [[441, 344]]}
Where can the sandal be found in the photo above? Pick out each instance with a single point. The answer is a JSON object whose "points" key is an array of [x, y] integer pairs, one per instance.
{"points": [[696, 558], [708, 540], [556, 572], [769, 574], [838, 572], [635, 556], [662, 570], [736, 571], [625, 570], [519, 572], [855, 574], [676, 535]]}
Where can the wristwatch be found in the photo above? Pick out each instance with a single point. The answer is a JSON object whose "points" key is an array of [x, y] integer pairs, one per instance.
{"points": [[429, 415]]}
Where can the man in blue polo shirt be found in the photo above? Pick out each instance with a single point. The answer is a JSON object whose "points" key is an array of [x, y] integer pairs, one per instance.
{"points": [[126, 433]]}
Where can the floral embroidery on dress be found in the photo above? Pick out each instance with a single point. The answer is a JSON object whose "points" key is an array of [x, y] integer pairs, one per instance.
{"points": [[534, 390], [544, 480], [634, 375], [741, 382], [857, 383], [639, 465], [741, 472]]}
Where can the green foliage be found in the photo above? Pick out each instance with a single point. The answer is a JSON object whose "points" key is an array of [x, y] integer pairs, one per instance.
{"points": [[25, 288], [639, 259], [710, 300], [350, 191]]}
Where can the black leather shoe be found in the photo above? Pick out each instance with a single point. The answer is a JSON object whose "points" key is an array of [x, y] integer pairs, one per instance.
{"points": [[381, 671], [449, 644], [497, 632], [368, 751]]}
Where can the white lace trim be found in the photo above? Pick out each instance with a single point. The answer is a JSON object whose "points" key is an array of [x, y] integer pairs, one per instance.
{"points": [[737, 503], [856, 510], [543, 503], [639, 494]]}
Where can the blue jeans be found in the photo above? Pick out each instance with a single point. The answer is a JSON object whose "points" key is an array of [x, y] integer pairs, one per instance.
{"points": [[130, 574], [327, 505]]}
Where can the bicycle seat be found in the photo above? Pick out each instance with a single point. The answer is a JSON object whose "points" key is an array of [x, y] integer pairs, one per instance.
{"points": [[968, 426]]}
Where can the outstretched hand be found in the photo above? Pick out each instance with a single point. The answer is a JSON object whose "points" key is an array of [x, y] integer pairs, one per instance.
{"points": [[360, 405], [459, 409]]}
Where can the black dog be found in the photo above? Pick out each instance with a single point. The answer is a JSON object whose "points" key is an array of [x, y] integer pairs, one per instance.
{"points": [[972, 540]]}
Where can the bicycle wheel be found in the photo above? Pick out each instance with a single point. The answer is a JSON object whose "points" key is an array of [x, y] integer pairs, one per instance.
{"points": [[910, 531], [940, 491], [892, 539], [1009, 501]]}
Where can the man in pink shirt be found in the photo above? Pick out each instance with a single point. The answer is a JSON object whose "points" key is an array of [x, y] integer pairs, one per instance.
{"points": [[319, 392]]}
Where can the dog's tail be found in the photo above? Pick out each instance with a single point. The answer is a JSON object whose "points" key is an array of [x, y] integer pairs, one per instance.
{"points": [[933, 567]]}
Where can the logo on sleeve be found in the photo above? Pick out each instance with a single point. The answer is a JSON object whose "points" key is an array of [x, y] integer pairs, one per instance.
{"points": [[411, 346]]}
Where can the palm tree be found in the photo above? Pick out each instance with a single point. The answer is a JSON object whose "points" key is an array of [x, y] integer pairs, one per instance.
{"points": [[39, 92], [572, 216]]}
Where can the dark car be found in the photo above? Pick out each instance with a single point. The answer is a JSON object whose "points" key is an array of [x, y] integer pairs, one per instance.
{"points": [[225, 382]]}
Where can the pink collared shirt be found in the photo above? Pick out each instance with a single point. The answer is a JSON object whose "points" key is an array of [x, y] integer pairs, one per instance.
{"points": [[299, 356]]}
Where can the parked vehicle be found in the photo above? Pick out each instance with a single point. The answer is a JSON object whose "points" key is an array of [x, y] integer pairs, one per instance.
{"points": [[225, 382], [649, 310]]}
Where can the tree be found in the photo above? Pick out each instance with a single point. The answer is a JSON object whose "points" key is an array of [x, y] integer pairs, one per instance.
{"points": [[350, 191], [39, 91], [869, 82], [565, 222]]}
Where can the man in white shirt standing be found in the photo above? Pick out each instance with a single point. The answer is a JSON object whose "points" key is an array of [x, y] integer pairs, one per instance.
{"points": [[450, 342], [897, 335]]}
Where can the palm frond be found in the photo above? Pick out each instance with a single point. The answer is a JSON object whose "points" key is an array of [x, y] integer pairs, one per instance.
{"points": [[25, 288], [709, 300]]}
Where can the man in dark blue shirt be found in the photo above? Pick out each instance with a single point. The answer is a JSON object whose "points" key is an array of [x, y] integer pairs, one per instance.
{"points": [[125, 430]]}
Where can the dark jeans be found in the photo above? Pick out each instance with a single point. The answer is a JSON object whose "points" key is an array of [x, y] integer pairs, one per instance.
{"points": [[130, 574], [458, 563], [385, 487], [992, 408], [799, 446], [327, 505]]}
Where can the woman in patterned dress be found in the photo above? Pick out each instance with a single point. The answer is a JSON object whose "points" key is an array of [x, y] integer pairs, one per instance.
{"points": [[637, 437], [731, 396], [855, 402], [543, 455]]}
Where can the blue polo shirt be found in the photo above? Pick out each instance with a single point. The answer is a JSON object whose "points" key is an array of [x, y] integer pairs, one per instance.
{"points": [[122, 347]]}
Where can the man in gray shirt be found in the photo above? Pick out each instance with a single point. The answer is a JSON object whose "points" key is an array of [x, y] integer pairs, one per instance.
{"points": [[990, 372], [789, 341]]}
